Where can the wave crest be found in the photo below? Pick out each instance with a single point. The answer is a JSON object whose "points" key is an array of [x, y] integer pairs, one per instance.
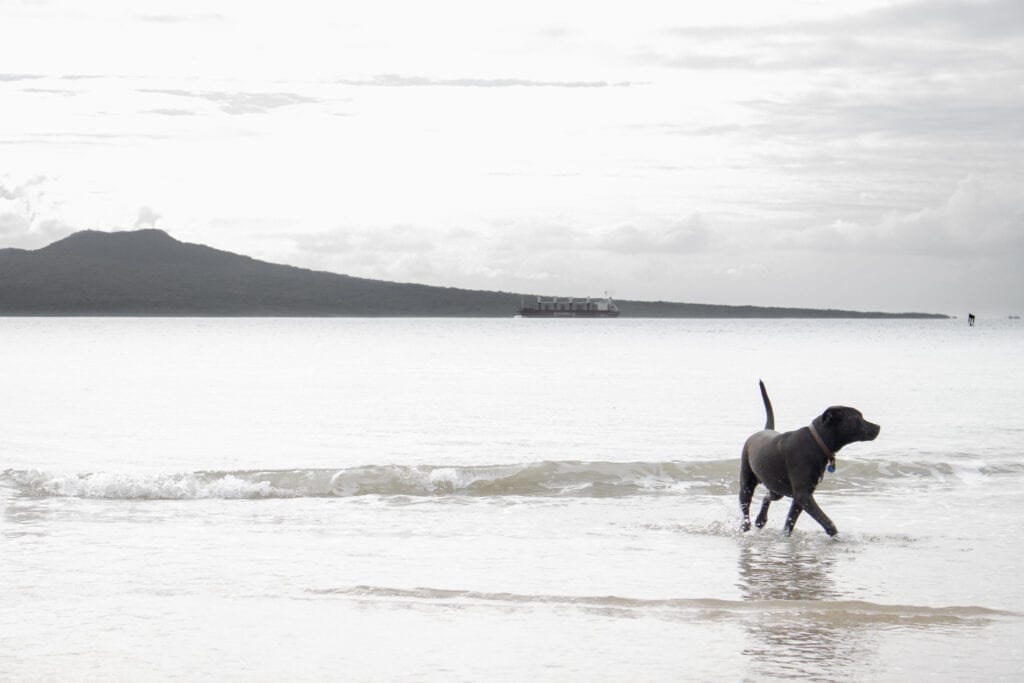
{"points": [[559, 478]]}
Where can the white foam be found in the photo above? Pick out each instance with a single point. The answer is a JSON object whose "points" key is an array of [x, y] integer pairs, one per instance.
{"points": [[131, 485]]}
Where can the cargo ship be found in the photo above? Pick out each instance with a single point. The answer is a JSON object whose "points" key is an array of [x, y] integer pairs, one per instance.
{"points": [[570, 308]]}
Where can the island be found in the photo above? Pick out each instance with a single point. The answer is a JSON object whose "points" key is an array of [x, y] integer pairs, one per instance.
{"points": [[149, 273]]}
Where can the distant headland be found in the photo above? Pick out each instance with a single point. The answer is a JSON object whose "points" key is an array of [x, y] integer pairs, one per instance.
{"points": [[149, 273]]}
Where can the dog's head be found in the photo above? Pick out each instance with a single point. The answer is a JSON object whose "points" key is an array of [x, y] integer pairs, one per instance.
{"points": [[848, 425]]}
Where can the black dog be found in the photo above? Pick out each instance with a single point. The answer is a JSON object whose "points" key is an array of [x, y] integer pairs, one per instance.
{"points": [[791, 464]]}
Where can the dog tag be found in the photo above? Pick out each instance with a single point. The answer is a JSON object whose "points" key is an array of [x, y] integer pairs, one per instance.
{"points": [[831, 467]]}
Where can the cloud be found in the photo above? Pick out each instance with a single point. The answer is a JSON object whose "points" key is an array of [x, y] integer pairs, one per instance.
{"points": [[950, 19], [13, 224], [52, 91], [19, 233], [239, 102], [399, 81], [171, 112], [22, 191], [393, 239], [83, 139], [428, 254], [20, 206], [956, 19], [682, 236], [147, 218], [386, 252], [19, 77], [928, 37], [913, 115], [977, 219], [909, 92], [507, 254], [187, 18]]}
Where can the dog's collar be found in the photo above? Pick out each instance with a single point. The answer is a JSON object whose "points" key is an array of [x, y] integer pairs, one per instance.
{"points": [[828, 453]]}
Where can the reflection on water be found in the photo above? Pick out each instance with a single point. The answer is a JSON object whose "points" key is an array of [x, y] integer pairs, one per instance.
{"points": [[809, 643], [787, 570]]}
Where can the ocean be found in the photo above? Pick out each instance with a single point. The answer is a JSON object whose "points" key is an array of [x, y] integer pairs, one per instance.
{"points": [[471, 499]]}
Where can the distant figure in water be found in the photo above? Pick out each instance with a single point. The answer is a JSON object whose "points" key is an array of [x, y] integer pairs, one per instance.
{"points": [[970, 319]]}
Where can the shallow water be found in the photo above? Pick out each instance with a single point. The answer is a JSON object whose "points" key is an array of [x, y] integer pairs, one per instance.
{"points": [[380, 499]]}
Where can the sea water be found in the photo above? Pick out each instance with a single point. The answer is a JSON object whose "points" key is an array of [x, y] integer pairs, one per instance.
{"points": [[361, 499]]}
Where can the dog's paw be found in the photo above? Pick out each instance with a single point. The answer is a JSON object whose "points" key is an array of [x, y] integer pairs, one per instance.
{"points": [[745, 526]]}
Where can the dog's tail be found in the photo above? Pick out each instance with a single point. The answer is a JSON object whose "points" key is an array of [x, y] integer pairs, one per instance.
{"points": [[770, 421]]}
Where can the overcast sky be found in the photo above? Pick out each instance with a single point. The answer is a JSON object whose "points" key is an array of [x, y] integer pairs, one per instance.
{"points": [[865, 155]]}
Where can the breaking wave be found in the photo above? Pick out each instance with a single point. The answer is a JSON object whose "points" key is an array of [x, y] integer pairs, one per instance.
{"points": [[541, 479], [565, 478]]}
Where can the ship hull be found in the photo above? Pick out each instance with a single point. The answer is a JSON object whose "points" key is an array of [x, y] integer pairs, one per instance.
{"points": [[534, 313]]}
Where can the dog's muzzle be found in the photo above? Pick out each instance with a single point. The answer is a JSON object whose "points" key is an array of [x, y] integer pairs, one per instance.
{"points": [[870, 431]]}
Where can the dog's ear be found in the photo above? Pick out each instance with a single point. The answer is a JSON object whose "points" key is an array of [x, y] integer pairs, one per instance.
{"points": [[830, 416]]}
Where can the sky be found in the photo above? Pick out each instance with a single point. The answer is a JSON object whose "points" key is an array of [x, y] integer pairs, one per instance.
{"points": [[862, 155]]}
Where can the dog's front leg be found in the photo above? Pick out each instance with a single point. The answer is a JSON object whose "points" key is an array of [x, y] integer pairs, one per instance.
{"points": [[819, 515]]}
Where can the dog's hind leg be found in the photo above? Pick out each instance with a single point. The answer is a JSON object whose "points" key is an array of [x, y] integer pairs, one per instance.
{"points": [[794, 512], [762, 516], [748, 482]]}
